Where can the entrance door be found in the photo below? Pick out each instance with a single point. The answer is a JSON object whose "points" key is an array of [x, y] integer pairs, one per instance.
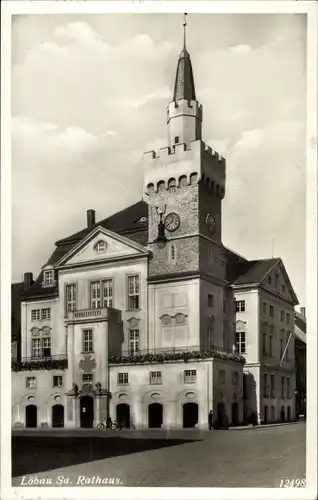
{"points": [[123, 415], [282, 414], [288, 413], [58, 416], [221, 415], [31, 416], [235, 414], [87, 411], [265, 414], [155, 415], [190, 415]]}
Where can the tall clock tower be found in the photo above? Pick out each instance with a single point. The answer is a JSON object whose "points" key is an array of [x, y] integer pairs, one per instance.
{"points": [[184, 185]]}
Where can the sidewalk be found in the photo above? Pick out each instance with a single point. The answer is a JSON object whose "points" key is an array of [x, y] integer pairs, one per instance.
{"points": [[262, 426]]}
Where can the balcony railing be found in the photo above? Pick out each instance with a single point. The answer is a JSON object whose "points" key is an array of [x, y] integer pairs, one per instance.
{"points": [[105, 313], [54, 362]]}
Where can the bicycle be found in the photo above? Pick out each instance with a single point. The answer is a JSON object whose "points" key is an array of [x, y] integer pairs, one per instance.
{"points": [[110, 425]]}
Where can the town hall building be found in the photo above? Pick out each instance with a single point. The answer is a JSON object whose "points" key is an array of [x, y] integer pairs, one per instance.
{"points": [[147, 317]]}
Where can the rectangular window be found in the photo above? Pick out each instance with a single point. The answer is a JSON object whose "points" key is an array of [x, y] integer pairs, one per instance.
{"points": [[46, 347], [122, 378], [133, 341], [48, 278], [272, 386], [133, 293], [235, 378], [210, 300], [155, 378], [176, 139], [221, 377], [96, 300], [264, 350], [57, 381], [71, 297], [88, 341], [36, 348], [271, 311], [190, 376], [283, 388], [31, 383], [282, 316], [240, 305], [264, 308], [107, 293], [35, 314], [288, 318], [265, 387], [46, 313], [240, 343], [288, 388], [270, 353], [87, 377]]}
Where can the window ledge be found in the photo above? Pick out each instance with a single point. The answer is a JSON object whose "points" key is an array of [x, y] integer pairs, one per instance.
{"points": [[133, 310]]}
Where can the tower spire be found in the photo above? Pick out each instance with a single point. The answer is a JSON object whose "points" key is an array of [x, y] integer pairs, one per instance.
{"points": [[185, 31], [184, 82]]}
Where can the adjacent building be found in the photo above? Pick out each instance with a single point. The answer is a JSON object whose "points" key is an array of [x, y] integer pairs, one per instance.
{"points": [[301, 365], [145, 315]]}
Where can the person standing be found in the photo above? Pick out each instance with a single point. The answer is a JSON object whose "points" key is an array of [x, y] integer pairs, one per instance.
{"points": [[210, 419]]}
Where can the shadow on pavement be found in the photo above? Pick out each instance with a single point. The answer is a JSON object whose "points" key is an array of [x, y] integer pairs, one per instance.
{"points": [[32, 454]]}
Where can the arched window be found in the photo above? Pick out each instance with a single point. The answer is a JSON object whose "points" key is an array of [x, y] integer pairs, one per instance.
{"points": [[172, 252]]}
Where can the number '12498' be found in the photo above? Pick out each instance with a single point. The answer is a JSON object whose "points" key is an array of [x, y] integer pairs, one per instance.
{"points": [[292, 483]]}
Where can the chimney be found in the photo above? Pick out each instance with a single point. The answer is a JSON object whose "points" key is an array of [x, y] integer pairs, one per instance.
{"points": [[28, 281], [90, 218], [303, 311]]}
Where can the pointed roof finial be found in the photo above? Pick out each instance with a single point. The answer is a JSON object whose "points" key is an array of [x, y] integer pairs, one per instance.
{"points": [[184, 30], [184, 82]]}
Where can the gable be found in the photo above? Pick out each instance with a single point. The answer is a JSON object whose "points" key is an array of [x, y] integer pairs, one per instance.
{"points": [[99, 246], [277, 281]]}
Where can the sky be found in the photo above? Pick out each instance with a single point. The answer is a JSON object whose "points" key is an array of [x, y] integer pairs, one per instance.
{"points": [[89, 94]]}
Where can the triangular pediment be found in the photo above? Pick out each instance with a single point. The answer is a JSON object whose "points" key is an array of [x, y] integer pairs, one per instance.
{"points": [[101, 245], [277, 281]]}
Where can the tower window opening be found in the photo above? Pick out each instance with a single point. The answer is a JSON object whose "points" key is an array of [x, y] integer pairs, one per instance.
{"points": [[172, 252], [176, 139]]}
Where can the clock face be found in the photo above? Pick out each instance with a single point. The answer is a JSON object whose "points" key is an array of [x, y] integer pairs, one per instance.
{"points": [[210, 222], [172, 221]]}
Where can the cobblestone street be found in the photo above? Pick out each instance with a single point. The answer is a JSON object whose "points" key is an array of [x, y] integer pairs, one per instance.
{"points": [[259, 457]]}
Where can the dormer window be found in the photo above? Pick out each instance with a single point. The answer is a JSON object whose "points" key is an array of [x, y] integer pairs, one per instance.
{"points": [[100, 247], [143, 219], [48, 278]]}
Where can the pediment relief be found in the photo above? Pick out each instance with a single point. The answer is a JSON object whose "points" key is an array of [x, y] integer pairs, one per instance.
{"points": [[45, 330], [240, 325], [133, 322], [101, 244]]}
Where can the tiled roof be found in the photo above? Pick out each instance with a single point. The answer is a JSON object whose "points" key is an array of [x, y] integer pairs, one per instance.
{"points": [[124, 221], [253, 271], [184, 83], [16, 291], [37, 290]]}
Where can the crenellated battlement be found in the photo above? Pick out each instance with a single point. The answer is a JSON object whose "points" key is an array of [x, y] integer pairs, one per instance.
{"points": [[184, 108]]}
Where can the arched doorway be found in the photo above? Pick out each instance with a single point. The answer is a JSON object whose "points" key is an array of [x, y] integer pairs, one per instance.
{"points": [[288, 413], [235, 414], [123, 415], [222, 416], [272, 413], [190, 415], [58, 416], [31, 416], [87, 411], [265, 414], [155, 415], [282, 414]]}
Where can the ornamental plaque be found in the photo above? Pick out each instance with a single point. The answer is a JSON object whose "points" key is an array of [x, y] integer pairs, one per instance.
{"points": [[87, 364]]}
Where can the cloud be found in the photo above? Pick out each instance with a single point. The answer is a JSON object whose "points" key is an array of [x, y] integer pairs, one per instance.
{"points": [[240, 49]]}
